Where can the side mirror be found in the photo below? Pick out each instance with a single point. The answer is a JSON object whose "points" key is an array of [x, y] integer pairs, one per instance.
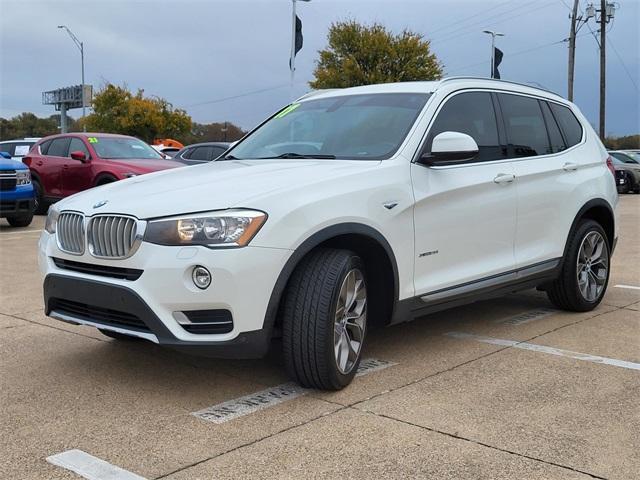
{"points": [[6, 155], [450, 147], [78, 155]]}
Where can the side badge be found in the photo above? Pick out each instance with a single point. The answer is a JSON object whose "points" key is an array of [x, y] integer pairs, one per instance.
{"points": [[390, 205]]}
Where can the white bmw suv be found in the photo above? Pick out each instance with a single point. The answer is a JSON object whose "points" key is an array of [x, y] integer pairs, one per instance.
{"points": [[346, 209]]}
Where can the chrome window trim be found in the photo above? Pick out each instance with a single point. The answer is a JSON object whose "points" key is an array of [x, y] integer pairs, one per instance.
{"points": [[416, 154]]}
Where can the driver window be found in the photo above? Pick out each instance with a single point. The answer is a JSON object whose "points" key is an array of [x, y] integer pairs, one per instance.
{"points": [[471, 113]]}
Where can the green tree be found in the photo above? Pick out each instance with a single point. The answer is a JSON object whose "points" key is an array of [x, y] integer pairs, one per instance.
{"points": [[213, 132], [29, 125], [623, 143], [362, 55], [117, 110]]}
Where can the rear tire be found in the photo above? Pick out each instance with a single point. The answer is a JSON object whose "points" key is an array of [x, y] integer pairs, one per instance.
{"points": [[20, 220], [119, 336], [585, 271], [324, 319]]}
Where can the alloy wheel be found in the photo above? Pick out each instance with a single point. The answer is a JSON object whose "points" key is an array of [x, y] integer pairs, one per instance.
{"points": [[592, 266], [350, 321]]}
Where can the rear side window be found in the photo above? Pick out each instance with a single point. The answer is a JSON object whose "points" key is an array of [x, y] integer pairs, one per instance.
{"points": [[568, 123], [201, 153], [471, 113], [59, 147], [555, 136], [77, 145], [526, 130]]}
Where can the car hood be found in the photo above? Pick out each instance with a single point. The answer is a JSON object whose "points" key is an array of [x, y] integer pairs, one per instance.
{"points": [[212, 186], [6, 164]]}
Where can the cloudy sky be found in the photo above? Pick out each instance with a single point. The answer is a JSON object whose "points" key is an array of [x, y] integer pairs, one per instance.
{"points": [[228, 59]]}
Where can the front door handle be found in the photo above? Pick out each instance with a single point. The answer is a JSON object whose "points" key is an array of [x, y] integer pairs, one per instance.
{"points": [[570, 167], [504, 178]]}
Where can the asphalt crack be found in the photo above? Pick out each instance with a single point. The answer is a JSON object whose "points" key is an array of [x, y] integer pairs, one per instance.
{"points": [[481, 444]]}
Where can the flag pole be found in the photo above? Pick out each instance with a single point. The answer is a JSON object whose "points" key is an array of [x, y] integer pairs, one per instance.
{"points": [[292, 60]]}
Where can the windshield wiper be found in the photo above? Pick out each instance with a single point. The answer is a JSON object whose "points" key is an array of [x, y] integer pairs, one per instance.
{"points": [[299, 155], [230, 157]]}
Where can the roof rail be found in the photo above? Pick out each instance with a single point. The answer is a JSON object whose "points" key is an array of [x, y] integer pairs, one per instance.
{"points": [[313, 93], [536, 87]]}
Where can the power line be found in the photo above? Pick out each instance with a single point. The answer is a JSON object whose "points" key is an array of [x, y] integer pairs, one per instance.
{"points": [[483, 20], [451, 36], [515, 54], [446, 27], [240, 95], [615, 50]]}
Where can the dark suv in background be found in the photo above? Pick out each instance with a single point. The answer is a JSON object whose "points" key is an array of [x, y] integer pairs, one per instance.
{"points": [[201, 152], [62, 165]]}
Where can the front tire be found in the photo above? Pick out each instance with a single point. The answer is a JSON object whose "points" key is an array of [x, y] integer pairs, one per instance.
{"points": [[325, 319], [20, 220], [585, 272]]}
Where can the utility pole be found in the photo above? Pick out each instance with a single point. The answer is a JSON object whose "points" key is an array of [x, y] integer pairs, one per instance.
{"points": [[572, 49], [607, 12], [577, 22], [604, 19]]}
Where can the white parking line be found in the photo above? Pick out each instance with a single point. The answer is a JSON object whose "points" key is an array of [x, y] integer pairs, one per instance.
{"points": [[526, 317], [90, 467], [17, 234], [269, 397], [544, 349], [632, 287]]}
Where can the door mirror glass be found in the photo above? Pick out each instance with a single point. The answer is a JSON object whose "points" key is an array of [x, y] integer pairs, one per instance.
{"points": [[78, 155], [450, 147], [6, 155]]}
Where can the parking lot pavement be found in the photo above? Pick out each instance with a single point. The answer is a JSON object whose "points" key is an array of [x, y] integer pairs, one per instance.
{"points": [[505, 388]]}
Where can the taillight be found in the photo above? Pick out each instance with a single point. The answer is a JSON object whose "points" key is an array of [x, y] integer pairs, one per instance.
{"points": [[610, 166]]}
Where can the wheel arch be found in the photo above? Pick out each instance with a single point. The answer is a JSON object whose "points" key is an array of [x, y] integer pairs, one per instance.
{"points": [[100, 177], [364, 240], [600, 211]]}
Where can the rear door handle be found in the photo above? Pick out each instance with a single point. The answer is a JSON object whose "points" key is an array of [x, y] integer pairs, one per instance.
{"points": [[39, 162], [504, 178], [570, 167]]}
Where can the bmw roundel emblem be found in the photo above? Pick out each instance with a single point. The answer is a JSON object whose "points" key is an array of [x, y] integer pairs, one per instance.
{"points": [[101, 203]]}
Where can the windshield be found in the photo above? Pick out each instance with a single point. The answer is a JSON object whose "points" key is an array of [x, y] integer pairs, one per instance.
{"points": [[118, 148], [361, 127]]}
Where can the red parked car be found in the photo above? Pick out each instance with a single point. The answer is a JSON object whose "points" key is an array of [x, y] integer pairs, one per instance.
{"points": [[62, 165]]}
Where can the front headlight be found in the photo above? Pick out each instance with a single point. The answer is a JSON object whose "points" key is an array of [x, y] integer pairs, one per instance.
{"points": [[52, 219], [226, 228], [23, 177]]}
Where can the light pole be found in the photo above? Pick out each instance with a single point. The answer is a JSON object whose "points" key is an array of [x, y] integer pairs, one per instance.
{"points": [[80, 46], [493, 48]]}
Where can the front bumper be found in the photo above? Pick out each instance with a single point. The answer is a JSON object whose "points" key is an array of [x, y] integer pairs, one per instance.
{"points": [[243, 281], [18, 201]]}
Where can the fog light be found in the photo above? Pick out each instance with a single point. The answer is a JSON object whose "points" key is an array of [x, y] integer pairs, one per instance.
{"points": [[201, 277]]}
